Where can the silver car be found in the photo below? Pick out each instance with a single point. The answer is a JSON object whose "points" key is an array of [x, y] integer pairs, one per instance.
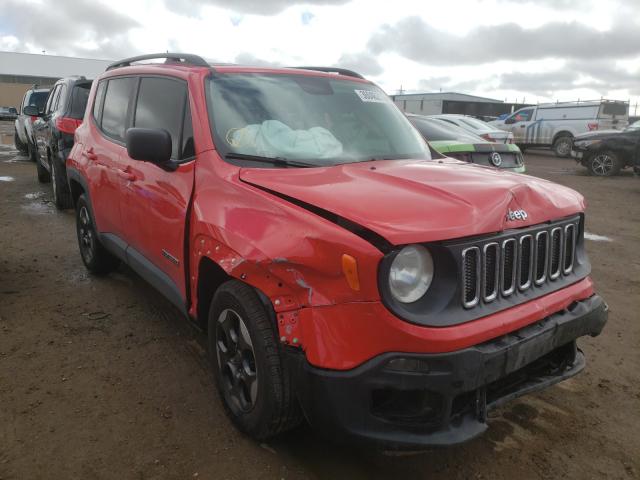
{"points": [[23, 138], [478, 127]]}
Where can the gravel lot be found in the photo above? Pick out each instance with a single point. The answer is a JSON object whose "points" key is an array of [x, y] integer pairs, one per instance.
{"points": [[101, 378]]}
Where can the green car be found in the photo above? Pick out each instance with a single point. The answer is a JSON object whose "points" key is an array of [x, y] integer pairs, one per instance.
{"points": [[453, 141]]}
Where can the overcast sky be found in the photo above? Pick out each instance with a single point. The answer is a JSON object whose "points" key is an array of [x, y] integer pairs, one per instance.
{"points": [[507, 49]]}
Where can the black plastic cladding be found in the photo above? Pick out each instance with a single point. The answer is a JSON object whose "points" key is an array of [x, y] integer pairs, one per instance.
{"points": [[441, 305]]}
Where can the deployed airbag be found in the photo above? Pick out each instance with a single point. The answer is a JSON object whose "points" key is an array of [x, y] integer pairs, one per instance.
{"points": [[273, 138]]}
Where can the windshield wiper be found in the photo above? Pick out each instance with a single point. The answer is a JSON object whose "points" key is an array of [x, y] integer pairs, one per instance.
{"points": [[279, 161]]}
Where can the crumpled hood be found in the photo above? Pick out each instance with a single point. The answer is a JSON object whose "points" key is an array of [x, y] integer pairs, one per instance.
{"points": [[408, 201]]}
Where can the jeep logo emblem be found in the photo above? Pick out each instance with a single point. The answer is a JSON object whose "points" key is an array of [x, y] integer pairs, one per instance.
{"points": [[496, 159], [513, 215]]}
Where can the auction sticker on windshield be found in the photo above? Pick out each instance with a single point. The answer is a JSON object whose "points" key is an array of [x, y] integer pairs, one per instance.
{"points": [[372, 96]]}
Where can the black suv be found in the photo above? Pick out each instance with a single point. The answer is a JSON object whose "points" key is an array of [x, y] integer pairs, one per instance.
{"points": [[53, 133]]}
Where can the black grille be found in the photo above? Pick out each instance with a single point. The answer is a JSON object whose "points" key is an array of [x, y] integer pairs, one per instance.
{"points": [[526, 262], [491, 267], [517, 262], [556, 252], [508, 266], [542, 252], [471, 262]]}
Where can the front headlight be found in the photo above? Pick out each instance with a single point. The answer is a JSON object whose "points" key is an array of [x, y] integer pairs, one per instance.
{"points": [[411, 274]]}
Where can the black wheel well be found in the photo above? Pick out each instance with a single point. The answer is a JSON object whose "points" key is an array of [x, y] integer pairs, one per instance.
{"points": [[76, 190], [563, 133], [210, 277]]}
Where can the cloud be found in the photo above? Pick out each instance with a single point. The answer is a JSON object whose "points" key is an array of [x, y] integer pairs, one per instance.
{"points": [[599, 75], [363, 63], [70, 28], [416, 40], [255, 7], [250, 59]]}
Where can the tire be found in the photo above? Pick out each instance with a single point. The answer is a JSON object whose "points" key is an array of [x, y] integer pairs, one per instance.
{"points": [[61, 193], [94, 256], [43, 174], [252, 379], [604, 164], [562, 146], [32, 152], [21, 147]]}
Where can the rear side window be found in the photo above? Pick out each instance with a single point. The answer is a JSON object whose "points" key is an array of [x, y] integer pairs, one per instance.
{"points": [[161, 104], [116, 106], [51, 98], [614, 108], [97, 103], [58, 102], [79, 98]]}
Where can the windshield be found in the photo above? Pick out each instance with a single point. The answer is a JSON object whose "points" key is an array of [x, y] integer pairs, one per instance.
{"points": [[434, 130], [322, 121]]}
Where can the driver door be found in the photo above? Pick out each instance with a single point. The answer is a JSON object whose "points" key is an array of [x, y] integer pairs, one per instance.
{"points": [[518, 123]]}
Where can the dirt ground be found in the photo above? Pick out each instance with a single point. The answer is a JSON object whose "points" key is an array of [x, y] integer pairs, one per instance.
{"points": [[100, 378]]}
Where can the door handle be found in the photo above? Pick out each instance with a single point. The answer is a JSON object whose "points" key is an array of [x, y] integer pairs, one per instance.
{"points": [[126, 175]]}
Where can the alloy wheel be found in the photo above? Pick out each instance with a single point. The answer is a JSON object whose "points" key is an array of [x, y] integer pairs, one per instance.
{"points": [[602, 164], [85, 234], [236, 362]]}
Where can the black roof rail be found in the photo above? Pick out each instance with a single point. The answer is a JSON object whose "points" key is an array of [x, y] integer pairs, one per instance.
{"points": [[185, 58], [339, 71]]}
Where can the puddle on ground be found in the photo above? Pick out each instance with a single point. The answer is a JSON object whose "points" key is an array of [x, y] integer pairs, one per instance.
{"points": [[34, 195], [39, 208], [6, 179], [596, 238]]}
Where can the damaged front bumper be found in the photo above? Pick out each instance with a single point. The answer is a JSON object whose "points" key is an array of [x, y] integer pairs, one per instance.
{"points": [[403, 400]]}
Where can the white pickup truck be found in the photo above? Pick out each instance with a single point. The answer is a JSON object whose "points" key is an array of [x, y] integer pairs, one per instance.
{"points": [[555, 124]]}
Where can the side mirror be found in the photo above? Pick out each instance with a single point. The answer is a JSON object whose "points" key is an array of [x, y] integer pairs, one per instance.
{"points": [[149, 144], [31, 110]]}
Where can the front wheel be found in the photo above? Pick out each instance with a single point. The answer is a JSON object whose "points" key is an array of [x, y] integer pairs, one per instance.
{"points": [[251, 376], [604, 164], [562, 146], [94, 256]]}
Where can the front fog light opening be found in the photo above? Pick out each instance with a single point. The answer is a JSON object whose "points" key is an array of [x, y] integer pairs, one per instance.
{"points": [[411, 274]]}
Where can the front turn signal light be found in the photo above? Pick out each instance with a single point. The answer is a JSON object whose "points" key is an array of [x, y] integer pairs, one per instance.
{"points": [[350, 271]]}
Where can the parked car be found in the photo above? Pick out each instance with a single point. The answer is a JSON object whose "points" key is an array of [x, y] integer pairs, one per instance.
{"points": [[477, 127], [554, 125], [606, 153], [53, 133], [452, 141], [341, 274], [8, 113], [23, 136]]}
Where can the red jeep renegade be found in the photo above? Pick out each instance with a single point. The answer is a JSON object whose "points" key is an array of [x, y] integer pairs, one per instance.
{"points": [[341, 272]]}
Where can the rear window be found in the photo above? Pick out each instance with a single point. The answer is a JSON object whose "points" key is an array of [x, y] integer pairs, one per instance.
{"points": [[39, 99], [79, 98], [614, 109]]}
